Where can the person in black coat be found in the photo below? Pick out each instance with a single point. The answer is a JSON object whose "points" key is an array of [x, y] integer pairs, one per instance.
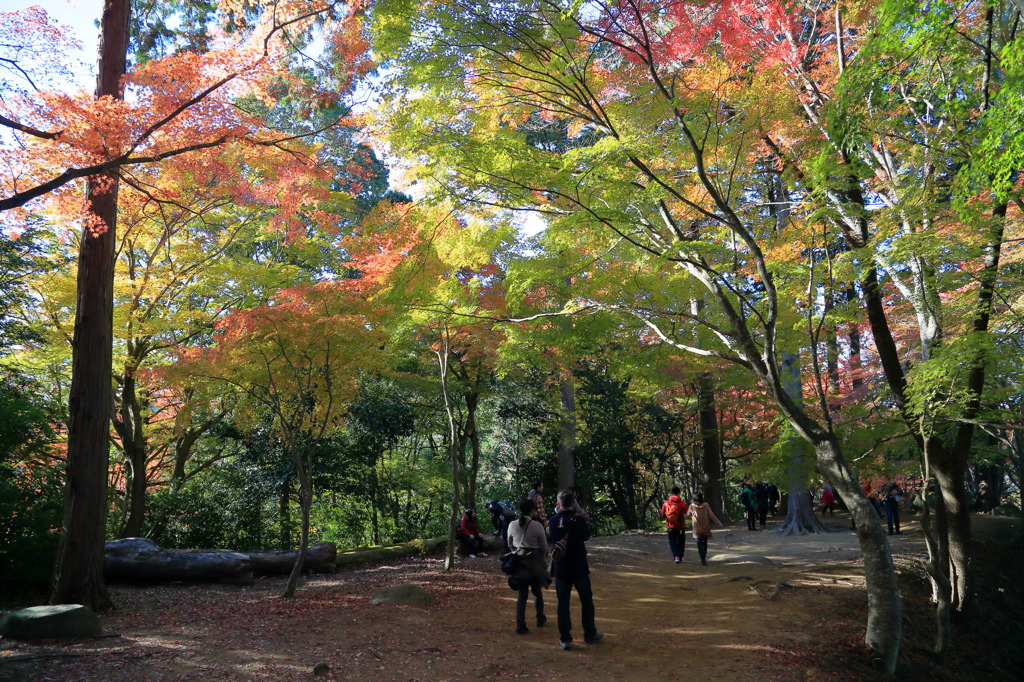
{"points": [[572, 571], [761, 503], [773, 499], [893, 497]]}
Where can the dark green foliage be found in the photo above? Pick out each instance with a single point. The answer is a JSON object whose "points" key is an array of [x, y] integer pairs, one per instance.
{"points": [[230, 506], [614, 451], [31, 488], [19, 258]]}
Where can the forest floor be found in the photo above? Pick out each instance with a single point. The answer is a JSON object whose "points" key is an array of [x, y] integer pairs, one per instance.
{"points": [[801, 616]]}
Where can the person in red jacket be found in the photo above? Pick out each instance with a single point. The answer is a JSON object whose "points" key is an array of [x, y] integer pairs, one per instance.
{"points": [[674, 511], [469, 534]]}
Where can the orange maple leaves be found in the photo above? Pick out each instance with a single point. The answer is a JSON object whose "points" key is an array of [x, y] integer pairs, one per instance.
{"points": [[173, 107]]}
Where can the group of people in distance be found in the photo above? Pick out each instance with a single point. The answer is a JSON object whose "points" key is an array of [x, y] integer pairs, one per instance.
{"points": [[529, 536], [676, 511], [759, 500]]}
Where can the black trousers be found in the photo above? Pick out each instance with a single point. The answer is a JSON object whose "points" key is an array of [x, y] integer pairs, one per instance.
{"points": [[524, 596]]}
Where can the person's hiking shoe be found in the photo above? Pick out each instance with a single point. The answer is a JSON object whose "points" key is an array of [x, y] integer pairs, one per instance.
{"points": [[483, 553], [564, 646], [703, 562], [521, 629], [678, 560], [598, 636], [472, 556], [682, 560], [541, 620]]}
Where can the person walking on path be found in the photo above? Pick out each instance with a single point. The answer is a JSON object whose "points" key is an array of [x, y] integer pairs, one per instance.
{"points": [[773, 499], [572, 571], [527, 538], [893, 497], [828, 500], [747, 500], [761, 504], [535, 495], [674, 511], [702, 515]]}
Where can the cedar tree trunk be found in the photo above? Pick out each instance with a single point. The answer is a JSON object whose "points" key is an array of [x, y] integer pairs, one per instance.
{"points": [[78, 571]]}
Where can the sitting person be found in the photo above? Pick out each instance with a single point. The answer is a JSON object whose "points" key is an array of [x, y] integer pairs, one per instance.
{"points": [[501, 517], [469, 534]]}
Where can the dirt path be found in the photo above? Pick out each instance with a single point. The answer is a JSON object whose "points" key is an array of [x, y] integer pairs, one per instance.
{"points": [[729, 620]]}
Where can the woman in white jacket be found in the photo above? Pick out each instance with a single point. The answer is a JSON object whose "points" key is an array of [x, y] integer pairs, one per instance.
{"points": [[527, 538]]}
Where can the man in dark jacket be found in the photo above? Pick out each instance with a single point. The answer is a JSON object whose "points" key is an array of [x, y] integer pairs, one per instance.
{"points": [[573, 570]]}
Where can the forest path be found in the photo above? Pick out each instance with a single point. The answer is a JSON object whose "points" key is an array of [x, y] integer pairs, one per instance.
{"points": [[662, 621]]}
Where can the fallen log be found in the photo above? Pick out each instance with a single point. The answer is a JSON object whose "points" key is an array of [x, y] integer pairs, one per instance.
{"points": [[369, 554], [138, 560], [319, 559]]}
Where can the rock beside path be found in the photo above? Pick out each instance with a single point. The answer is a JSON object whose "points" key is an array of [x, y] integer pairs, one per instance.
{"points": [[60, 621], [404, 593]]}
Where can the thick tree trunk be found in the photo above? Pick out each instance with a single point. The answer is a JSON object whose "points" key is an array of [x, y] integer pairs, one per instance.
{"points": [[567, 442], [955, 520], [711, 447], [884, 626], [78, 572], [800, 518], [885, 611]]}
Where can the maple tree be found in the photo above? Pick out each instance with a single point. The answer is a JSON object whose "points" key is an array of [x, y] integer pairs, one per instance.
{"points": [[626, 178], [299, 358], [444, 290], [180, 104]]}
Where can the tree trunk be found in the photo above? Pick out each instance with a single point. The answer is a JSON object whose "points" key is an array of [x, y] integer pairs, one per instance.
{"points": [[133, 441], [711, 447], [472, 402], [78, 571], [800, 518], [304, 470], [453, 517], [853, 338], [885, 611], [567, 442], [285, 514]]}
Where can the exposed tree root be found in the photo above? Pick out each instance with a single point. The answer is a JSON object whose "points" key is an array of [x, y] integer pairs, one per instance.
{"points": [[738, 578], [754, 587]]}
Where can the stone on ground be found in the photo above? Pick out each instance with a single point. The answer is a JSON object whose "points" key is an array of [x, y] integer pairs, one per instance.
{"points": [[59, 621], [404, 593]]}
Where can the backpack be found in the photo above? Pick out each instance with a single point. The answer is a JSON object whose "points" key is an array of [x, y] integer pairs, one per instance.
{"points": [[745, 498], [673, 510]]}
